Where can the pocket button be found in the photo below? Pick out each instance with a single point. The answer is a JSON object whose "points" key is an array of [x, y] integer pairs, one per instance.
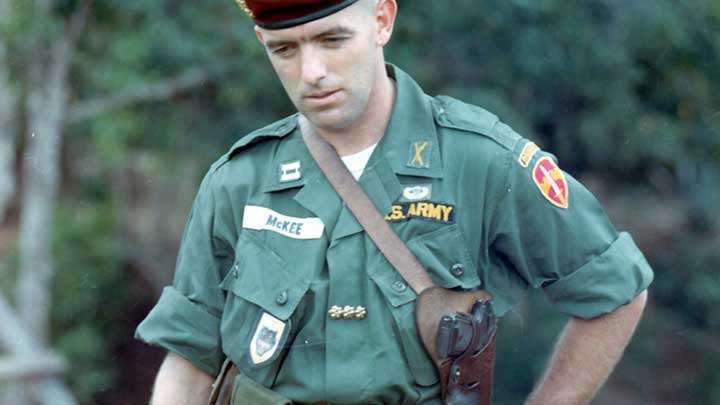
{"points": [[282, 298], [458, 269], [399, 286]]}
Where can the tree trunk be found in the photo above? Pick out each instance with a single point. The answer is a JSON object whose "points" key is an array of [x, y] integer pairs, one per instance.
{"points": [[46, 104], [8, 124], [47, 98]]}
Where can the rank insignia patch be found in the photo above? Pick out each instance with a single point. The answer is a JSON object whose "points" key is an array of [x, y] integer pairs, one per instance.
{"points": [[419, 154], [290, 171], [528, 151], [429, 211], [268, 336], [551, 182]]}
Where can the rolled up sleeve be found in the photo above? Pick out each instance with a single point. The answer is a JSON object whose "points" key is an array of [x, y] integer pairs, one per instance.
{"points": [[609, 280], [185, 328]]}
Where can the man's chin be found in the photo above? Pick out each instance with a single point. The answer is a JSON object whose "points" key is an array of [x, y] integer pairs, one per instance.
{"points": [[329, 120]]}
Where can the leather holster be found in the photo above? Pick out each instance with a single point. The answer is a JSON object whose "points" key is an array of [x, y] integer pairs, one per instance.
{"points": [[466, 376]]}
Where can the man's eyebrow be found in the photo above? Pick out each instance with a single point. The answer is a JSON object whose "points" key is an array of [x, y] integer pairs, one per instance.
{"points": [[337, 30]]}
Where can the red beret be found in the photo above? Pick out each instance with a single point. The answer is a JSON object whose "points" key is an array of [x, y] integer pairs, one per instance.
{"points": [[278, 14]]}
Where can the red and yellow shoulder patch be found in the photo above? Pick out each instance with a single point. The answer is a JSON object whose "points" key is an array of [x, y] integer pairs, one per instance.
{"points": [[551, 182]]}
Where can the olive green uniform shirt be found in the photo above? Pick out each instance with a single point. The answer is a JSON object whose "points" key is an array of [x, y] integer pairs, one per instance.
{"points": [[467, 194]]}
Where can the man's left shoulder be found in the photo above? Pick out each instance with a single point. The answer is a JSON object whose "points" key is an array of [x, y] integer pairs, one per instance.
{"points": [[454, 114]]}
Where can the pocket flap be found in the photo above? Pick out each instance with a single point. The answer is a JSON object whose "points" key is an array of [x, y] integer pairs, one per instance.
{"points": [[445, 255], [393, 287], [260, 276]]}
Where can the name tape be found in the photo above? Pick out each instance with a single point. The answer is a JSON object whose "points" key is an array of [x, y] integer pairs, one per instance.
{"points": [[265, 219]]}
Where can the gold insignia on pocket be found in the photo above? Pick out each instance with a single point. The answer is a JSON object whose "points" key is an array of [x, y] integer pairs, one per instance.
{"points": [[347, 312], [528, 151]]}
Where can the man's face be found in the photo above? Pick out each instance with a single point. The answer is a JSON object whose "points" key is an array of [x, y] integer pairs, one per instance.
{"points": [[328, 66]]}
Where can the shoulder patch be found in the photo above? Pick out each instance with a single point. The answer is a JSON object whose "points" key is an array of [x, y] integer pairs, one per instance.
{"points": [[452, 113], [551, 181]]}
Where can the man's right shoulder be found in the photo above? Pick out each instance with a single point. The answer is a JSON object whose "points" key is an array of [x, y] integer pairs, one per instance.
{"points": [[277, 130]]}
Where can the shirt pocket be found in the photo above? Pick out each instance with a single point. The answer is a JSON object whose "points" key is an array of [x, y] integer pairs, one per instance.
{"points": [[264, 303], [444, 254]]}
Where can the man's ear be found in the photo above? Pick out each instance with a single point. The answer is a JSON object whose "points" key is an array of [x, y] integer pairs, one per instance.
{"points": [[385, 14]]}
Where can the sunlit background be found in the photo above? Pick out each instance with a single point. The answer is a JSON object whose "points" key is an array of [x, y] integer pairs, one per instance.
{"points": [[112, 110]]}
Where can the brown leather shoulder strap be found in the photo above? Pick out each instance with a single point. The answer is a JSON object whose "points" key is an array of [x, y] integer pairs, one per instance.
{"points": [[375, 225]]}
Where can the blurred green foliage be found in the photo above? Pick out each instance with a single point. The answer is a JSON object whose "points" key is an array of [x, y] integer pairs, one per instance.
{"points": [[629, 90], [90, 293]]}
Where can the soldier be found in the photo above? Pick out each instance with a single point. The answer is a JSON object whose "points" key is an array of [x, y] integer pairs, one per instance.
{"points": [[276, 275]]}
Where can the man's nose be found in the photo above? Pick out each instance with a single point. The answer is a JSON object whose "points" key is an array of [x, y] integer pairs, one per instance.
{"points": [[314, 68]]}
